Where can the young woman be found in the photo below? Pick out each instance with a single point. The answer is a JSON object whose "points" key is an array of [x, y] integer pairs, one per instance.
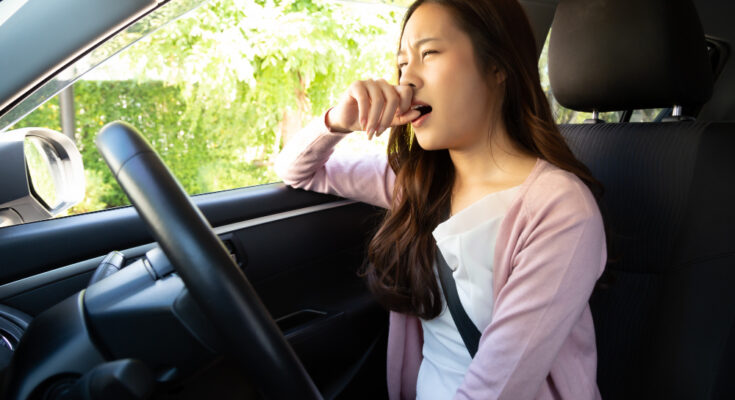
{"points": [[476, 166]]}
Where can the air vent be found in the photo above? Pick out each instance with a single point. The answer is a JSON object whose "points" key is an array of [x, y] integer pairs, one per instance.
{"points": [[13, 324], [7, 340]]}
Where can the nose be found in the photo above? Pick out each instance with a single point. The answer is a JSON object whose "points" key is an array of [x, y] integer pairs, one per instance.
{"points": [[410, 77]]}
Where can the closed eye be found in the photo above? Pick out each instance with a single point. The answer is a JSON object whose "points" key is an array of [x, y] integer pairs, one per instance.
{"points": [[423, 55]]}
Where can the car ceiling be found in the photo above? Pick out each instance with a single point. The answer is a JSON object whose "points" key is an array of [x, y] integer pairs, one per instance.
{"points": [[78, 27]]}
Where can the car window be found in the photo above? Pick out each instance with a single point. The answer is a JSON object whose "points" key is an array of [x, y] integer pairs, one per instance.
{"points": [[219, 91], [649, 115]]}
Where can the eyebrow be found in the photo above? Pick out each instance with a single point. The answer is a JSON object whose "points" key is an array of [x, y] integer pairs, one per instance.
{"points": [[417, 44]]}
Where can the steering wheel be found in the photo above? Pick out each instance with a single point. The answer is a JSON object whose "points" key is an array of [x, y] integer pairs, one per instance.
{"points": [[215, 282]]}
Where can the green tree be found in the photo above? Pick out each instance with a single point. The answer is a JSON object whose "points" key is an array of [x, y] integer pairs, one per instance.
{"points": [[219, 91]]}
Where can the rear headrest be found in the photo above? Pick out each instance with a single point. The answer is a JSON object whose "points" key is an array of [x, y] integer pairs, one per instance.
{"points": [[610, 55]]}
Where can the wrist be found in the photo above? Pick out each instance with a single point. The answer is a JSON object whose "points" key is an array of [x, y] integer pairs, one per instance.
{"points": [[330, 127]]}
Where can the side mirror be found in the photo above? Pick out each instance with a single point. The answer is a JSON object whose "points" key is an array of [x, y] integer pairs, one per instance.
{"points": [[41, 175]]}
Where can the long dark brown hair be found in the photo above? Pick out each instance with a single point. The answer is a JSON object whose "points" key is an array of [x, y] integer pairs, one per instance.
{"points": [[401, 253]]}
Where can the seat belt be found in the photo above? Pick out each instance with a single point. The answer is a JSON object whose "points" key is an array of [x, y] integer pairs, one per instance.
{"points": [[467, 329]]}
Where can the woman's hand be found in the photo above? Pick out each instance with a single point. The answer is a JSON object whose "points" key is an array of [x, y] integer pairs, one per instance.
{"points": [[372, 106]]}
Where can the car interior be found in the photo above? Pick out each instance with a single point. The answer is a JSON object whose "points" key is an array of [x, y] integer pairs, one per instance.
{"points": [[181, 297]]}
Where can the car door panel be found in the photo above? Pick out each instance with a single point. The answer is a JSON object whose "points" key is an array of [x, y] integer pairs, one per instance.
{"points": [[300, 250]]}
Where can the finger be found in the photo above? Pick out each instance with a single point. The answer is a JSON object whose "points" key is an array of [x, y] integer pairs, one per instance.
{"points": [[403, 119], [405, 93], [391, 105], [376, 107], [359, 92]]}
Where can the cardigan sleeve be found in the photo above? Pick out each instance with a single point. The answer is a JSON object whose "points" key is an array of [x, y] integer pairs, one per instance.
{"points": [[308, 161], [561, 255]]}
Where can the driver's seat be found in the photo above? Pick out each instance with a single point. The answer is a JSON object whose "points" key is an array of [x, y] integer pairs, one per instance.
{"points": [[665, 318]]}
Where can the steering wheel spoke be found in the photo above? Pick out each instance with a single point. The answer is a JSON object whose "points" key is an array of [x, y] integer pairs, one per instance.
{"points": [[218, 286]]}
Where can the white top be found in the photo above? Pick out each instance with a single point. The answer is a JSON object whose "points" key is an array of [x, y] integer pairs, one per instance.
{"points": [[467, 242]]}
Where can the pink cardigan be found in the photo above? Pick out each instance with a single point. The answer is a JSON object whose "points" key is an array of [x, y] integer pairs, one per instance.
{"points": [[549, 253]]}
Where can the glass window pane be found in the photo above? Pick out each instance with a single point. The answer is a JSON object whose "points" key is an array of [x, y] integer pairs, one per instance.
{"points": [[219, 91], [647, 115]]}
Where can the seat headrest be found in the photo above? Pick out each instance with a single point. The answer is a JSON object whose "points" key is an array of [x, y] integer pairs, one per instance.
{"points": [[610, 55]]}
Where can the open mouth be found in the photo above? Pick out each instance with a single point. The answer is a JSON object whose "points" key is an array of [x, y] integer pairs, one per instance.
{"points": [[423, 109]]}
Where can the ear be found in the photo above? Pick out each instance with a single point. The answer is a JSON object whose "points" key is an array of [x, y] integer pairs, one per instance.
{"points": [[499, 76]]}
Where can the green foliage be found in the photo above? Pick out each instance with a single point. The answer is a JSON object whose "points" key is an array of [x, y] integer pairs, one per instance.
{"points": [[211, 91], [45, 116], [270, 57]]}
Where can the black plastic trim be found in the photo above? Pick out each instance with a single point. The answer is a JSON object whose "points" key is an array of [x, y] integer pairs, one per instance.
{"points": [[80, 237]]}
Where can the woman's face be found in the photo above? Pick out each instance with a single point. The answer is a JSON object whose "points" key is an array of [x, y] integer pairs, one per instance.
{"points": [[438, 59]]}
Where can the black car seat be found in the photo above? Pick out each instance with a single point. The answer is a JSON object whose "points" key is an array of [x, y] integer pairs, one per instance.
{"points": [[665, 320]]}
